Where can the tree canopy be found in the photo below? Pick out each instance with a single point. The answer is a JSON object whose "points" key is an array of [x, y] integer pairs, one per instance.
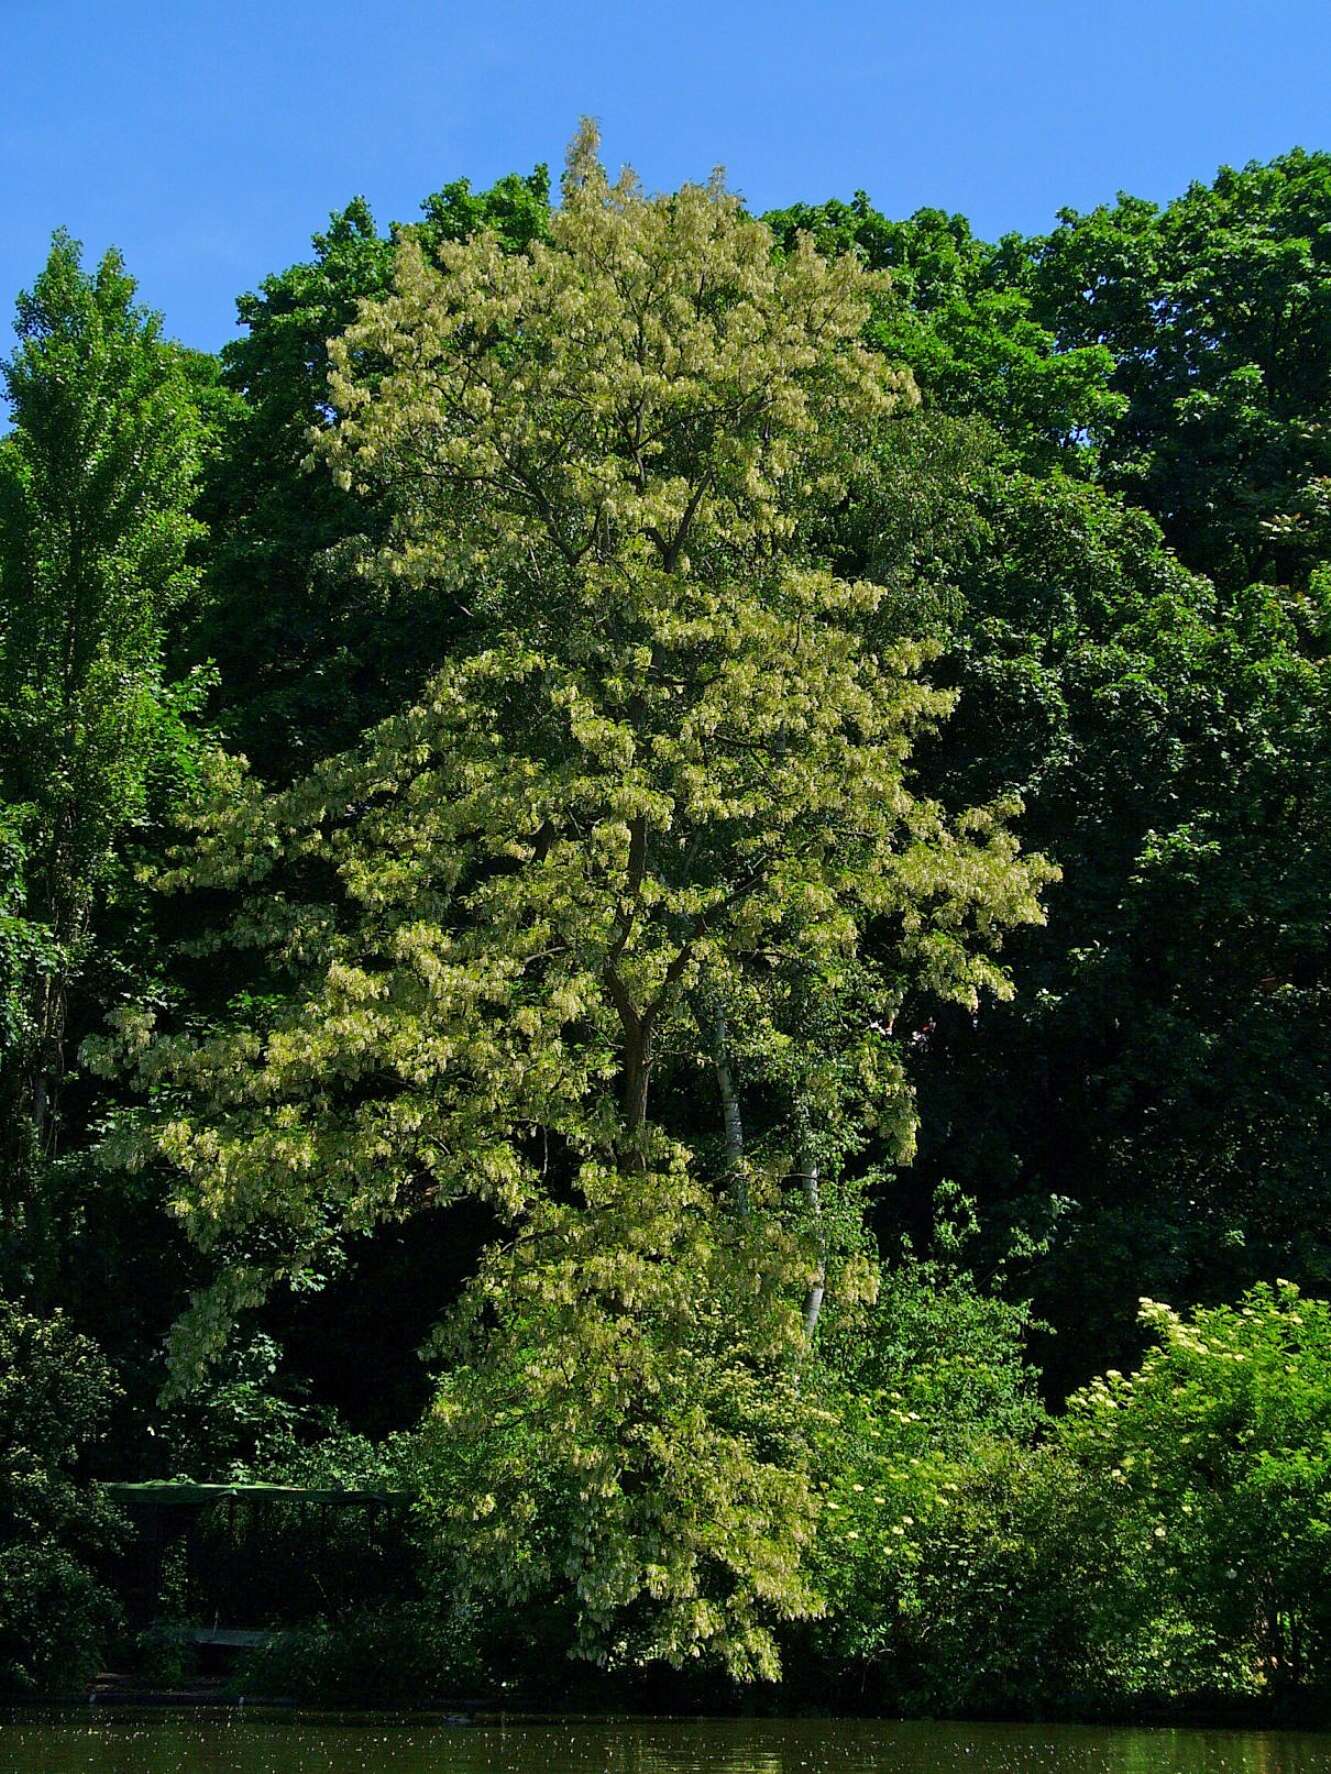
{"points": [[638, 828], [652, 862]]}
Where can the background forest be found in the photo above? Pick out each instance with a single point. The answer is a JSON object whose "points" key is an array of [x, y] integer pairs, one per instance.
{"points": [[660, 872]]}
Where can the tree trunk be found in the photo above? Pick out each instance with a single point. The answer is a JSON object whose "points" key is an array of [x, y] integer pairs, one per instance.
{"points": [[637, 1081], [813, 1299], [734, 1125]]}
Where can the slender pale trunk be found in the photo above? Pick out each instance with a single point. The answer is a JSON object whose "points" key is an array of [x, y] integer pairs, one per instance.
{"points": [[813, 1299], [730, 1112]]}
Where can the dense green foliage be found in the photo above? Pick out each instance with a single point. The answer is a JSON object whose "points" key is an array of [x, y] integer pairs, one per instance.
{"points": [[308, 654], [96, 480], [651, 865], [1215, 310], [1160, 1541], [55, 1528], [1212, 1466]]}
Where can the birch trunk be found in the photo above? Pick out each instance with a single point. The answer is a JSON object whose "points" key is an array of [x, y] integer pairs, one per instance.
{"points": [[813, 1299], [734, 1125]]}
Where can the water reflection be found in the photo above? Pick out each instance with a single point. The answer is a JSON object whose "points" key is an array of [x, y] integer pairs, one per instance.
{"points": [[135, 1742]]}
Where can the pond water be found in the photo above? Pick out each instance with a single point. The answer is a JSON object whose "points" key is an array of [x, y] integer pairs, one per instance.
{"points": [[106, 1741]]}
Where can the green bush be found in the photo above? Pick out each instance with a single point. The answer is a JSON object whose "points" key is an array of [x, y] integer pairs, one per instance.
{"points": [[55, 1613], [1163, 1544], [1213, 1469], [930, 1408], [998, 1603]]}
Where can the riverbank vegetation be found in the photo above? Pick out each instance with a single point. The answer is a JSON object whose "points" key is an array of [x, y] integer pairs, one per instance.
{"points": [[662, 871]]}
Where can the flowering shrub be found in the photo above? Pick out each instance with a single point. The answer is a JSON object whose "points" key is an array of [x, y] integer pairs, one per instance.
{"points": [[1215, 1464]]}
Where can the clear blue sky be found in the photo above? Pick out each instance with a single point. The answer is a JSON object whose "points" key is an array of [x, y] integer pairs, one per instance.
{"points": [[209, 138]]}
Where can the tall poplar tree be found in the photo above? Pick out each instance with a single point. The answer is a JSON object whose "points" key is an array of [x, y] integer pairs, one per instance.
{"points": [[96, 479]]}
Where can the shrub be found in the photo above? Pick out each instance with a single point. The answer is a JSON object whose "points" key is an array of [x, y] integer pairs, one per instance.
{"points": [[55, 1392], [1214, 1466], [930, 1410]]}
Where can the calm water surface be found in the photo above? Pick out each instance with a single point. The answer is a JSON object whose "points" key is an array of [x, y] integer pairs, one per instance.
{"points": [[138, 1742]]}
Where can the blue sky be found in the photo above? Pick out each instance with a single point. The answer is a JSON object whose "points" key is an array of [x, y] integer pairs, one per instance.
{"points": [[209, 138]]}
